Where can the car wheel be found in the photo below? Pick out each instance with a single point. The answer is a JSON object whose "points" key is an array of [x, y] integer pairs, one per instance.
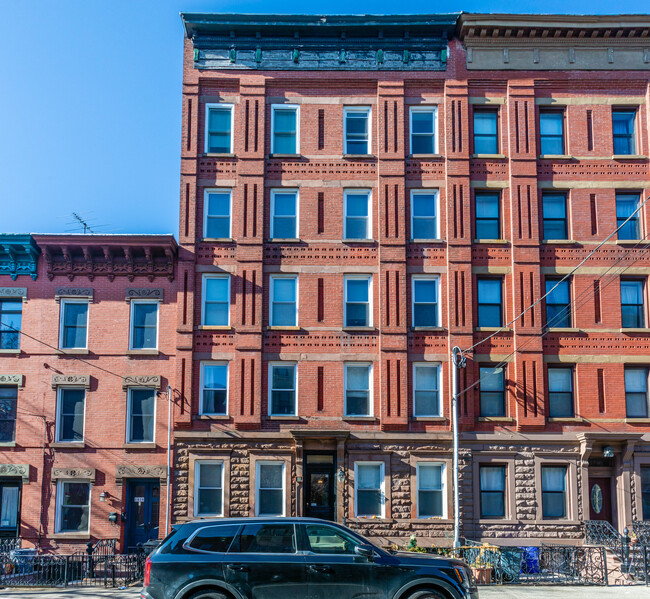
{"points": [[427, 594], [208, 594]]}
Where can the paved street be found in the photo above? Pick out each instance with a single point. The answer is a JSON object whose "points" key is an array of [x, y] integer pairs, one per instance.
{"points": [[83, 593]]}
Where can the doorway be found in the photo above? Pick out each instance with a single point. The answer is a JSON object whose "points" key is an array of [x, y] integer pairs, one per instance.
{"points": [[320, 472], [142, 511], [600, 498]]}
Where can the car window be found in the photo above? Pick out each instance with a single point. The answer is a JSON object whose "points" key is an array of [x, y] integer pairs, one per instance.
{"points": [[215, 539], [329, 540], [266, 538]]}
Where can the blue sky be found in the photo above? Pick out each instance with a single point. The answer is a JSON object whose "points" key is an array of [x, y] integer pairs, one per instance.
{"points": [[91, 97]]}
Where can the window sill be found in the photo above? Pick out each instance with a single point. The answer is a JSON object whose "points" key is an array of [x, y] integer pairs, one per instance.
{"points": [[358, 329], [499, 156], [215, 327], [637, 421], [362, 519], [74, 351], [68, 445], [142, 352], [559, 242], [628, 241], [219, 155], [10, 351], [424, 156], [497, 521], [282, 328], [429, 419], [433, 329], [359, 156], [291, 417], [217, 240], [437, 240], [140, 446], [492, 329], [635, 330], [277, 155], [492, 241], [283, 240], [568, 419], [360, 418], [72, 536], [212, 417], [368, 241], [7, 444], [561, 330], [629, 157], [495, 419], [555, 157]]}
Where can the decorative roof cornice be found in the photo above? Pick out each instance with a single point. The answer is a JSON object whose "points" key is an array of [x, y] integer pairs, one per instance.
{"points": [[18, 255]]}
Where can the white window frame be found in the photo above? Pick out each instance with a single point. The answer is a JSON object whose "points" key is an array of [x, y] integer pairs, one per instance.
{"points": [[295, 387], [414, 279], [296, 108], [443, 490], [368, 193], [59, 403], [197, 486], [205, 278], [206, 193], [272, 279], [131, 324], [202, 382], [358, 109], [347, 278], [436, 201], [206, 135], [64, 302], [437, 365], [258, 465], [371, 402], [424, 108], [382, 485], [59, 505], [297, 217], [129, 414]]}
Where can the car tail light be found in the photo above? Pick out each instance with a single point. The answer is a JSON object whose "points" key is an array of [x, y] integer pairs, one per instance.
{"points": [[147, 571]]}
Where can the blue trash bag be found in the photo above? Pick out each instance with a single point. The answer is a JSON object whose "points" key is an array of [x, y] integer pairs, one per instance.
{"points": [[530, 561]]}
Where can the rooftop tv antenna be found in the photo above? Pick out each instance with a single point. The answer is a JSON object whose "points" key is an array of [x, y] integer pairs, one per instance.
{"points": [[83, 223]]}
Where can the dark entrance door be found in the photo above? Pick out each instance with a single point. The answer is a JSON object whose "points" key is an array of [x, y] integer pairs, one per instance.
{"points": [[319, 485], [142, 511], [600, 499]]}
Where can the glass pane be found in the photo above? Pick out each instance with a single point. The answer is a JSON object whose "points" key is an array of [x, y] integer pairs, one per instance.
{"points": [[425, 315], [284, 290], [489, 316], [430, 477], [424, 204], [283, 377], [636, 380], [551, 123], [284, 315], [284, 143], [75, 317], [358, 377], [356, 123], [560, 405], [368, 503], [560, 294], [485, 122], [209, 502], [216, 314], [356, 228], [329, 541], [218, 227], [491, 380], [9, 507], [553, 478], [270, 476], [216, 539], [493, 478], [424, 228], [75, 493], [145, 315], [422, 144], [284, 120], [555, 229], [426, 403], [426, 377], [493, 505], [488, 229], [357, 403], [10, 322], [219, 143], [267, 538], [283, 402], [553, 505], [356, 147], [284, 227], [214, 402], [143, 401], [215, 376], [210, 475], [554, 206], [219, 204], [492, 404], [284, 204], [270, 504], [74, 519], [487, 205], [425, 290], [356, 204], [369, 476], [560, 380], [430, 504], [356, 315], [357, 290], [489, 291], [422, 121], [219, 119], [216, 290], [486, 144]]}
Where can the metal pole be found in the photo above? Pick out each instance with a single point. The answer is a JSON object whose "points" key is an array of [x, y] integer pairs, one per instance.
{"points": [[458, 361], [169, 451]]}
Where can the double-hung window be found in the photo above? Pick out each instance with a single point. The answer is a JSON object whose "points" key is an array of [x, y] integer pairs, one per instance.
{"points": [[358, 389], [426, 389], [219, 128], [357, 300], [426, 306], [11, 313], [369, 498], [214, 388], [558, 303], [554, 216], [626, 208], [284, 213], [632, 310], [423, 129], [218, 206], [492, 392], [551, 132], [636, 392], [208, 488], [645, 492], [144, 324], [282, 389], [73, 506], [74, 324], [554, 499], [424, 214], [9, 507], [285, 133], [357, 215], [70, 414], [486, 137], [489, 302], [141, 415], [431, 489], [488, 216], [492, 480], [216, 300], [269, 484], [284, 302], [623, 131], [560, 392], [357, 130], [8, 411]]}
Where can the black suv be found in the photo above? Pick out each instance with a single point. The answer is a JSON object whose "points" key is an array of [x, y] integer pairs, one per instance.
{"points": [[282, 558]]}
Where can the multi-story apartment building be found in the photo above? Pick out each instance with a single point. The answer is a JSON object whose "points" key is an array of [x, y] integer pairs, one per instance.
{"points": [[87, 348]]}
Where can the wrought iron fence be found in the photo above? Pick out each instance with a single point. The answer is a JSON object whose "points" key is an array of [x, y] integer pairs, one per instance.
{"points": [[601, 532], [9, 544], [642, 531]]}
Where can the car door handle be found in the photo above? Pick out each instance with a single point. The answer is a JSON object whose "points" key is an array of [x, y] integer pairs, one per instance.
{"points": [[323, 569], [237, 568]]}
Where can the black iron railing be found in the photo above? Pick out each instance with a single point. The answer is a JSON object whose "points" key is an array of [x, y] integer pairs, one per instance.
{"points": [[9, 544], [642, 531], [601, 532]]}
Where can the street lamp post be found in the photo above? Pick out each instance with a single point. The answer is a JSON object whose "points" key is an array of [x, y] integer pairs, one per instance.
{"points": [[458, 361]]}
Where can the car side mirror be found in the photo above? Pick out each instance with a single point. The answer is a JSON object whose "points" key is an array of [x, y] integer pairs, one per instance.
{"points": [[365, 551]]}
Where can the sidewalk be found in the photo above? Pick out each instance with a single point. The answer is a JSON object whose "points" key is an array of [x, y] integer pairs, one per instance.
{"points": [[79, 593]]}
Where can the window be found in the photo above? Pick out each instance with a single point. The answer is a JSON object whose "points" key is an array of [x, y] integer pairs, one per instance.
{"points": [[70, 415], [623, 131], [219, 126], [282, 389], [357, 215], [489, 303], [423, 130], [9, 509], [214, 539], [216, 300], [488, 219], [560, 392], [358, 390], [217, 206], [141, 415], [327, 540], [558, 303], [74, 324], [424, 214], [208, 488], [357, 301], [636, 392], [284, 125], [284, 214], [493, 491], [554, 216], [269, 480], [486, 138], [284, 304], [357, 130], [267, 538], [425, 301], [626, 206], [11, 312], [430, 480], [645, 491], [73, 506], [551, 132], [144, 324], [632, 312], [214, 388], [554, 505], [492, 392], [426, 390], [369, 496], [8, 410]]}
